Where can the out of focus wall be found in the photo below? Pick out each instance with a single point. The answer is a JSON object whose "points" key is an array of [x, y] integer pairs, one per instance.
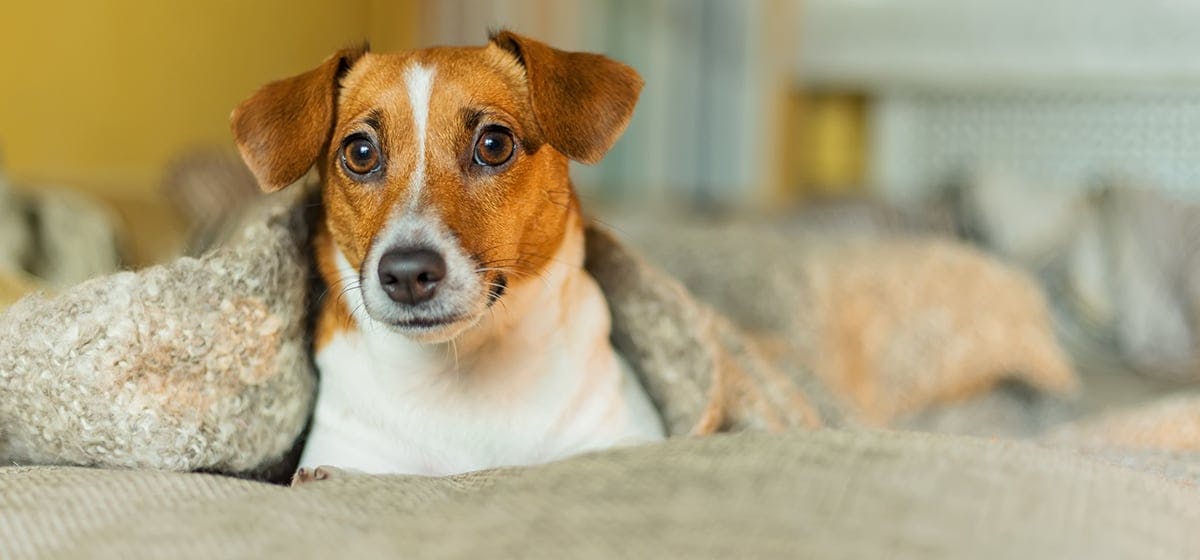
{"points": [[1070, 93], [100, 94], [827, 145], [710, 127]]}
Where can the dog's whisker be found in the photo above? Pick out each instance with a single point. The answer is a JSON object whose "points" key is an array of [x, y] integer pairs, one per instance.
{"points": [[324, 293], [518, 273], [503, 304], [478, 256], [531, 274], [613, 228], [525, 257], [499, 300], [342, 295]]}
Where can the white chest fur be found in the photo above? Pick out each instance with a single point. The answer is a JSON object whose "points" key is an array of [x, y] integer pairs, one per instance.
{"points": [[536, 380]]}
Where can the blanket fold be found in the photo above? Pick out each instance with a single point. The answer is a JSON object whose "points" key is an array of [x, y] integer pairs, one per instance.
{"points": [[204, 363], [196, 364]]}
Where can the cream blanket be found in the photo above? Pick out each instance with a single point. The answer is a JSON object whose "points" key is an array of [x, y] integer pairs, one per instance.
{"points": [[827, 494], [203, 363]]}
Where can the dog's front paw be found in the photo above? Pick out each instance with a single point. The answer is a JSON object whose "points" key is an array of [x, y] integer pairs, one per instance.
{"points": [[306, 475]]}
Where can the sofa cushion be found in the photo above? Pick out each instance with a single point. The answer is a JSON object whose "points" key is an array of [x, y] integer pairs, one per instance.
{"points": [[823, 494]]}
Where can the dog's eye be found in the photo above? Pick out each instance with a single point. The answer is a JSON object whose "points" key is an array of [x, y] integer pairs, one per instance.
{"points": [[494, 147], [360, 156]]}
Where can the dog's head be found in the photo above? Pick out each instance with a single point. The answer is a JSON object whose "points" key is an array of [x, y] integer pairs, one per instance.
{"points": [[444, 170]]}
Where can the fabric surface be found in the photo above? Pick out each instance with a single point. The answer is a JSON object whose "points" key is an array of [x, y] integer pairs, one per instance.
{"points": [[1161, 436], [52, 237], [56, 235], [1169, 424], [197, 364], [883, 328], [1121, 261], [825, 494], [203, 363], [701, 373], [112, 373]]}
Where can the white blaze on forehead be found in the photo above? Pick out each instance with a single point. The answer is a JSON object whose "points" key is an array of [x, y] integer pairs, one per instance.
{"points": [[419, 81]]}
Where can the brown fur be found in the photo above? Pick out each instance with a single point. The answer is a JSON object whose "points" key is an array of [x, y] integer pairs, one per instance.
{"points": [[559, 105], [582, 101], [282, 129], [333, 316]]}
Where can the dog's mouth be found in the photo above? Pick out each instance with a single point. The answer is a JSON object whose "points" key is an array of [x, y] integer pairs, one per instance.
{"points": [[423, 323], [432, 329]]}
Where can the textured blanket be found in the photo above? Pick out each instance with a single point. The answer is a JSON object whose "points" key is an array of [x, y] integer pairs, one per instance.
{"points": [[197, 364], [825, 494], [203, 363]]}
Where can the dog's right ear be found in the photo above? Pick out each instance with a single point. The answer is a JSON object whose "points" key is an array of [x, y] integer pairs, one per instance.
{"points": [[582, 101], [282, 128]]}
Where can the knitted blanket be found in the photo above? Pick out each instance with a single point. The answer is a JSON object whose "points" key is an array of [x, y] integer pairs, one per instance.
{"points": [[204, 363]]}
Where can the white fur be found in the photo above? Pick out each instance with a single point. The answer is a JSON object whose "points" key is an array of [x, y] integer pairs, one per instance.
{"points": [[533, 381], [419, 81]]}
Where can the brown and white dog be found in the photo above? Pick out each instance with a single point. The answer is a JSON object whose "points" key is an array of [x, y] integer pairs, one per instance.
{"points": [[460, 331]]}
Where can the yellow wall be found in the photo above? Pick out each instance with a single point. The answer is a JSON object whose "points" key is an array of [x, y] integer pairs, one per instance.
{"points": [[829, 147], [100, 94]]}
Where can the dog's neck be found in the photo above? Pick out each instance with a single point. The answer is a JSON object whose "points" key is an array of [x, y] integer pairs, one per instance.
{"points": [[531, 313], [536, 379]]}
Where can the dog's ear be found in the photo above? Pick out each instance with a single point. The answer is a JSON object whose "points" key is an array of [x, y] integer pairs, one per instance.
{"points": [[582, 101], [282, 128]]}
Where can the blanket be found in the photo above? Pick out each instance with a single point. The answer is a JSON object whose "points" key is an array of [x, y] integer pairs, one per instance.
{"points": [[1122, 261], [204, 363], [822, 494], [198, 364], [52, 237], [879, 331]]}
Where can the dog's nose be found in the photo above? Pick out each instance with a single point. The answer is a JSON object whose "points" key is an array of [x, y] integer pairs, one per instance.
{"points": [[411, 276]]}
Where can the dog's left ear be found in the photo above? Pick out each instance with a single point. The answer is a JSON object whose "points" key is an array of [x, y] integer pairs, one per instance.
{"points": [[282, 128], [582, 101]]}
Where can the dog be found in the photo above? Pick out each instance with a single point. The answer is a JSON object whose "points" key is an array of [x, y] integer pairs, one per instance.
{"points": [[460, 331]]}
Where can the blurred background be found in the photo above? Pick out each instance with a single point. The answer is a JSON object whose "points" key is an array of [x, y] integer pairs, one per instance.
{"points": [[104, 95], [1059, 134], [755, 104]]}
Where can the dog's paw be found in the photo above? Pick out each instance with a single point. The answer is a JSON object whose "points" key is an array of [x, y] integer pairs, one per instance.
{"points": [[306, 475]]}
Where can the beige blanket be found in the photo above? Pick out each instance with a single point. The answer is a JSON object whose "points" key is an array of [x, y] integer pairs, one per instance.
{"points": [[827, 494], [202, 363]]}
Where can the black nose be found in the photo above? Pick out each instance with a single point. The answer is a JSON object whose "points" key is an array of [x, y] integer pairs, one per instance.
{"points": [[410, 276]]}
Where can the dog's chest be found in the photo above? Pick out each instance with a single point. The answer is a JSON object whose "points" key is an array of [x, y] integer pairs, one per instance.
{"points": [[520, 400]]}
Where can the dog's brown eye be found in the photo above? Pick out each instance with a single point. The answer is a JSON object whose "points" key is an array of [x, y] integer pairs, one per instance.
{"points": [[360, 156], [494, 147]]}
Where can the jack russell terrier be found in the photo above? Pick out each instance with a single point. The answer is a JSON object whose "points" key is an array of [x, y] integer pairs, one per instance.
{"points": [[460, 331]]}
